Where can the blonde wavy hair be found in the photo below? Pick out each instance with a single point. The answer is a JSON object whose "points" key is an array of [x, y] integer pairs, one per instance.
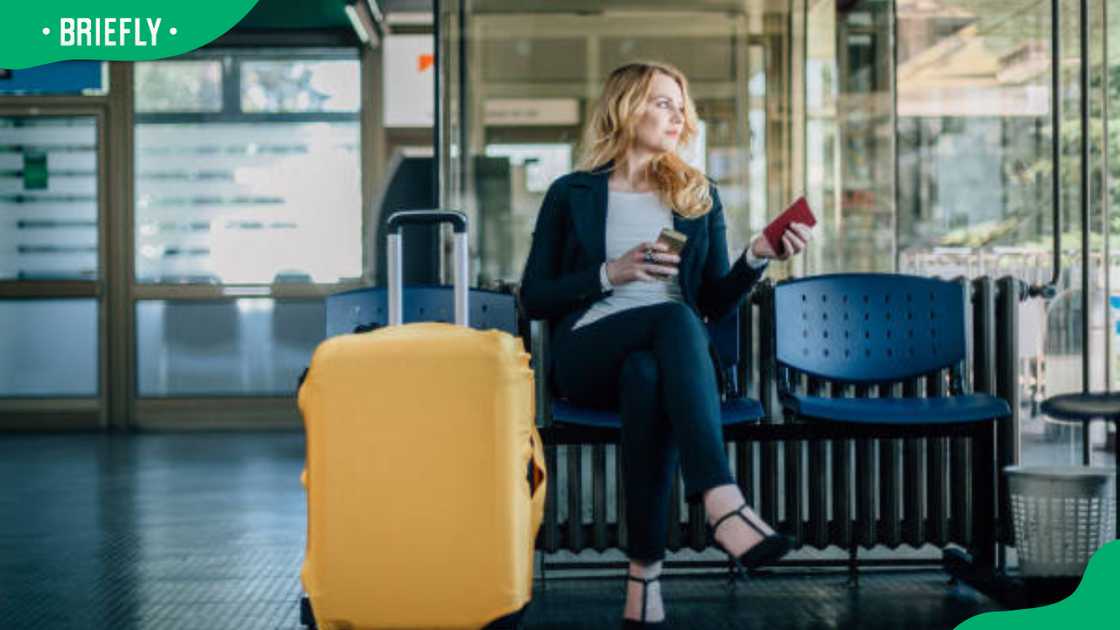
{"points": [[612, 130]]}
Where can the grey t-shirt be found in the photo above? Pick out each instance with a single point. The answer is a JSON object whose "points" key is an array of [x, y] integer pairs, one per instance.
{"points": [[633, 218]]}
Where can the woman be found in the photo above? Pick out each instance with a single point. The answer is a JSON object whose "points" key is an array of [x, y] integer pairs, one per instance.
{"points": [[625, 314]]}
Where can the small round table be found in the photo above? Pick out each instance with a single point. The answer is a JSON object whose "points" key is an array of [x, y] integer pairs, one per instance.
{"points": [[1085, 408]]}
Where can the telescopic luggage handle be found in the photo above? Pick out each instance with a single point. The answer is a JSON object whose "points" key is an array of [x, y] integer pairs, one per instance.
{"points": [[458, 220]]}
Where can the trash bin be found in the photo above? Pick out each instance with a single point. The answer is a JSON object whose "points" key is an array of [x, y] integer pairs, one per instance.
{"points": [[1062, 515]]}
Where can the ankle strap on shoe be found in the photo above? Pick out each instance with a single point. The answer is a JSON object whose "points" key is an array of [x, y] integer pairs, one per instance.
{"points": [[645, 582], [737, 512]]}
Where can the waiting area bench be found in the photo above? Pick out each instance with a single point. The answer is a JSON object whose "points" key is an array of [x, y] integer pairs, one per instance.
{"points": [[868, 431]]}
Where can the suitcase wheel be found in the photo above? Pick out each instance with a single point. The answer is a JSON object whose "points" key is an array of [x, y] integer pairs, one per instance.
{"points": [[306, 616]]}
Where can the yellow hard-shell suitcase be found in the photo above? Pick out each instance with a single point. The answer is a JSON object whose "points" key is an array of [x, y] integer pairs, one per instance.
{"points": [[425, 474]]}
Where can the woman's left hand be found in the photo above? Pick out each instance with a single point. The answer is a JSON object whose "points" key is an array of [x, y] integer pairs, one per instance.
{"points": [[794, 241]]}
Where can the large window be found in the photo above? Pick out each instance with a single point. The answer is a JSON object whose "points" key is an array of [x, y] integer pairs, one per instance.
{"points": [[849, 135], [247, 170], [920, 130], [535, 72], [973, 126], [247, 173], [938, 154], [50, 257]]}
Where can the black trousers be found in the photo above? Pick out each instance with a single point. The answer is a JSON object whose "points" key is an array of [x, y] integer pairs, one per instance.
{"points": [[651, 364]]}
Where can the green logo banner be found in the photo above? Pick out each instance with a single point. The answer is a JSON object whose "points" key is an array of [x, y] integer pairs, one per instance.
{"points": [[1092, 605], [35, 33]]}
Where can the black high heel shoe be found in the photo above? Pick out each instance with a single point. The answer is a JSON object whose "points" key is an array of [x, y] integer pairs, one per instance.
{"points": [[630, 624], [766, 551]]}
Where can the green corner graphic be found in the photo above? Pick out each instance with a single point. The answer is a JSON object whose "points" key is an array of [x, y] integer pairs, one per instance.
{"points": [[36, 33], [1091, 606]]}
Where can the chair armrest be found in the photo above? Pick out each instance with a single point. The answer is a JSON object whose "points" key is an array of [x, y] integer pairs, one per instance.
{"points": [[538, 332]]}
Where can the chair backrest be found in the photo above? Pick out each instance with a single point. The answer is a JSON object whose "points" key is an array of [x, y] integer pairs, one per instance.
{"points": [[422, 303], [869, 328]]}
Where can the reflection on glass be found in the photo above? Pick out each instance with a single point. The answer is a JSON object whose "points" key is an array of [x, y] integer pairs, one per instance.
{"points": [[541, 163], [1112, 217], [178, 86], [862, 231], [538, 60], [927, 139], [758, 175], [975, 175], [973, 127], [247, 203], [300, 86], [48, 198], [822, 146], [523, 172], [226, 348], [248, 198], [49, 348]]}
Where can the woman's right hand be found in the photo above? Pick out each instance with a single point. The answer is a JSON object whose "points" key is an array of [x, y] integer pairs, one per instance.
{"points": [[632, 265]]}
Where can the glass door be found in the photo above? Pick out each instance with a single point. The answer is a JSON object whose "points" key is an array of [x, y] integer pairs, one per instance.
{"points": [[247, 213], [53, 323]]}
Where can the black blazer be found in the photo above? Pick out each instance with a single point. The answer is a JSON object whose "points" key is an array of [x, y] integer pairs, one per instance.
{"points": [[561, 277]]}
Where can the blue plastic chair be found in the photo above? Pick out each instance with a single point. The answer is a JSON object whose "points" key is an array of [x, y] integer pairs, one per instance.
{"points": [[422, 303], [736, 410], [882, 329], [867, 329]]}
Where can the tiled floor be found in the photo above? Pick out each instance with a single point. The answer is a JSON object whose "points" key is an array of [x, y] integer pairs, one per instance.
{"points": [[207, 531]]}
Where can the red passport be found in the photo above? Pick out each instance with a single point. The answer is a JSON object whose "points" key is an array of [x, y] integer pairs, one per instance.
{"points": [[797, 212]]}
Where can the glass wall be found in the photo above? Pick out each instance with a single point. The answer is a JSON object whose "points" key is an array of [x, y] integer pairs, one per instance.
{"points": [[531, 75], [248, 346], [849, 121], [919, 130], [50, 258], [54, 240], [51, 348], [252, 187], [930, 136], [940, 143], [48, 198], [248, 189]]}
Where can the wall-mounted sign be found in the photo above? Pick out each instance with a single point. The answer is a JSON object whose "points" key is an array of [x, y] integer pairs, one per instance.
{"points": [[64, 77], [409, 80], [521, 112], [34, 170]]}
